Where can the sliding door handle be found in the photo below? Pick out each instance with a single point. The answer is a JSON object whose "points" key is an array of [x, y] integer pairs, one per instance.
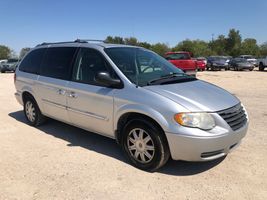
{"points": [[73, 95]]}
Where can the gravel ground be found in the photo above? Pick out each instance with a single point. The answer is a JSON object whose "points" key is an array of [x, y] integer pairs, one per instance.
{"points": [[58, 161]]}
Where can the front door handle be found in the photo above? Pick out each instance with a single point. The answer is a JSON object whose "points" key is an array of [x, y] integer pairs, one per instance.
{"points": [[61, 92], [73, 95]]}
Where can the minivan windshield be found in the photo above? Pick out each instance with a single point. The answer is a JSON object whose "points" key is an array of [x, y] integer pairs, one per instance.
{"points": [[143, 67]]}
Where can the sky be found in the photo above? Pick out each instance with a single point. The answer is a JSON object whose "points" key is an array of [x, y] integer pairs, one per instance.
{"points": [[30, 22]]}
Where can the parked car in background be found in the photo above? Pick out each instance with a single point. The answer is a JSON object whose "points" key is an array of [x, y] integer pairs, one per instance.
{"points": [[3, 61], [238, 64], [250, 59], [202, 59], [201, 63], [183, 61], [228, 58], [217, 63], [130, 94], [10, 65], [262, 63]]}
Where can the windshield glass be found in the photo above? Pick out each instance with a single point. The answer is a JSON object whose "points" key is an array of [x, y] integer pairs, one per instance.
{"points": [[249, 57], [12, 60], [141, 66], [218, 58]]}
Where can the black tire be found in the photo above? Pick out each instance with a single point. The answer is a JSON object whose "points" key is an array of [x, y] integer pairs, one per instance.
{"points": [[3, 71], [261, 67], [161, 152], [38, 118], [211, 68]]}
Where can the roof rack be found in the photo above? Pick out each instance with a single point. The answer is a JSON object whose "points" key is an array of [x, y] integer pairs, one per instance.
{"points": [[75, 41], [88, 40]]}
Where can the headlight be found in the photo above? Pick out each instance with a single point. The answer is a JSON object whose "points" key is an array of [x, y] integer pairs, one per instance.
{"points": [[195, 120]]}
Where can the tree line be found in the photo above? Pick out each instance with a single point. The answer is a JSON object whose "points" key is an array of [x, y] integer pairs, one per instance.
{"points": [[230, 45]]}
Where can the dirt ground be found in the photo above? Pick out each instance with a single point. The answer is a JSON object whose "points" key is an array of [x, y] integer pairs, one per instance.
{"points": [[58, 161]]}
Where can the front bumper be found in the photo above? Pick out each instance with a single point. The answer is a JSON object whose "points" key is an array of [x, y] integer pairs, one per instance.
{"points": [[191, 148], [8, 68], [220, 66]]}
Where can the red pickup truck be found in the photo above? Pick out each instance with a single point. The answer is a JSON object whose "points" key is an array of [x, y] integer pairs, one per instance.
{"points": [[182, 60]]}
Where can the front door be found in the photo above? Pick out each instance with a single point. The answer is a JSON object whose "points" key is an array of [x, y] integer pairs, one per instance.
{"points": [[90, 105]]}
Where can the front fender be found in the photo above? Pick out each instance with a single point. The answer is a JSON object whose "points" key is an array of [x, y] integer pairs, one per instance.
{"points": [[140, 109]]}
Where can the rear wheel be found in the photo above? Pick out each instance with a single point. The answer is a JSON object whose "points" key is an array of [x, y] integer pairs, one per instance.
{"points": [[32, 112], [145, 145], [3, 71]]}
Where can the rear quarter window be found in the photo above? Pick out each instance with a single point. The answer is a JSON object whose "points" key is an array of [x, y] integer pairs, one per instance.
{"points": [[57, 62], [31, 63]]}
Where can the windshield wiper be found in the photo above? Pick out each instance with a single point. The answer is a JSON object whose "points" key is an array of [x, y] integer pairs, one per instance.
{"points": [[169, 78]]}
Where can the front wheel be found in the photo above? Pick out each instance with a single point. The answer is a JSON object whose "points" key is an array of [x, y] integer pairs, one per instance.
{"points": [[145, 145]]}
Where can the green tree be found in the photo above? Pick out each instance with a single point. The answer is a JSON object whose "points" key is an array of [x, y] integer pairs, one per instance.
{"points": [[249, 46], [23, 52], [5, 52], [233, 44], [131, 41], [160, 48], [196, 47], [263, 49], [218, 46], [114, 40], [144, 44]]}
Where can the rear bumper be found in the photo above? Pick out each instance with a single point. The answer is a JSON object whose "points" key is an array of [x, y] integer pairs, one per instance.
{"points": [[191, 148], [8, 68], [191, 72], [19, 97]]}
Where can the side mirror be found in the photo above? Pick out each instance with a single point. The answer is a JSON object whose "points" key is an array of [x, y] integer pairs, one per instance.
{"points": [[105, 79]]}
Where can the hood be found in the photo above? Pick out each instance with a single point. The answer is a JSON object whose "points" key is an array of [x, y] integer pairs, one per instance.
{"points": [[252, 60], [196, 95]]}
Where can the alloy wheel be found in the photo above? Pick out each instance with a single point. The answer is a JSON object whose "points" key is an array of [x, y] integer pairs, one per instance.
{"points": [[140, 145], [30, 111]]}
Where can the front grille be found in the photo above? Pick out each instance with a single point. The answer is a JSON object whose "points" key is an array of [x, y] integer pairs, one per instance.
{"points": [[234, 116]]}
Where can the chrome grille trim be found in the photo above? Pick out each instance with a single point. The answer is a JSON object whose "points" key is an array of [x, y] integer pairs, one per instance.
{"points": [[235, 116]]}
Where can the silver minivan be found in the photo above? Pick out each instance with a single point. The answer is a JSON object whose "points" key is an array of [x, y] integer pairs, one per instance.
{"points": [[151, 108]]}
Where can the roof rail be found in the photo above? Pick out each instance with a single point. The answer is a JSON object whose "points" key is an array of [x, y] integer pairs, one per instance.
{"points": [[88, 40], [75, 41]]}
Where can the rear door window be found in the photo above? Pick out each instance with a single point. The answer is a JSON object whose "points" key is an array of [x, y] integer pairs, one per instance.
{"points": [[57, 62], [31, 63]]}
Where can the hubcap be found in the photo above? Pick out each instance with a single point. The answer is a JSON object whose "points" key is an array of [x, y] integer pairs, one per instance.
{"points": [[30, 111], [140, 145]]}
